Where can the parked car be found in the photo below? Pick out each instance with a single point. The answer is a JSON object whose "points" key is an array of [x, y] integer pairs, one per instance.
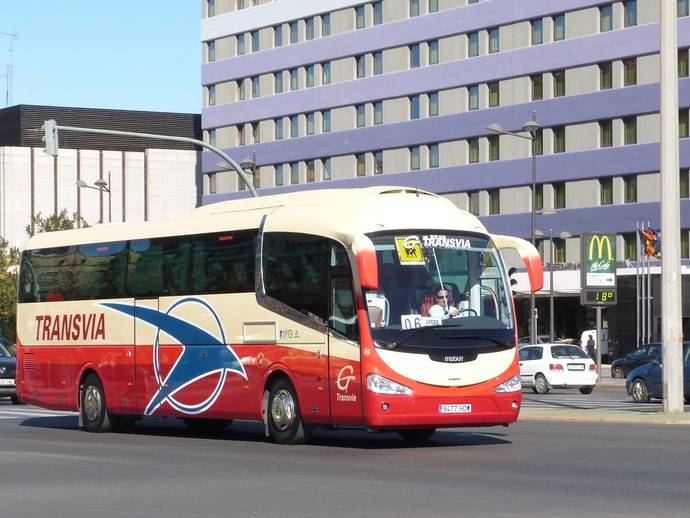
{"points": [[8, 371], [559, 365], [644, 382], [621, 367]]}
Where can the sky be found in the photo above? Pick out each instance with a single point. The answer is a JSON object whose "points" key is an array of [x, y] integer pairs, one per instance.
{"points": [[118, 54]]}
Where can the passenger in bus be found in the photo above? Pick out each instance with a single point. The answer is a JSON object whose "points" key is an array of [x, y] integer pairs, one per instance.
{"points": [[444, 306]]}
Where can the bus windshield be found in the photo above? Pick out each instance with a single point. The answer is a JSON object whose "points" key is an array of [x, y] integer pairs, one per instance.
{"points": [[434, 280]]}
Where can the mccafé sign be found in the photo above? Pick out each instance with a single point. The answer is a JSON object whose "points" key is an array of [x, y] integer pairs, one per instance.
{"points": [[598, 267]]}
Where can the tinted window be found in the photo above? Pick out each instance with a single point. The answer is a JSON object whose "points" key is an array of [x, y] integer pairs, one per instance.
{"points": [[224, 262], [532, 353], [100, 270], [48, 275], [567, 351], [158, 267], [295, 270]]}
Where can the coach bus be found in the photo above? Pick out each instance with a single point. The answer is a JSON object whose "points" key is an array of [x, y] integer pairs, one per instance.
{"points": [[301, 310]]}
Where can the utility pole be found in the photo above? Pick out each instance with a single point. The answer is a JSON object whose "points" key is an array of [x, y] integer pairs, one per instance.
{"points": [[8, 89]]}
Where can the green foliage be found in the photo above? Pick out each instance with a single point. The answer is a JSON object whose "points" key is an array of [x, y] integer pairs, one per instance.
{"points": [[9, 269], [60, 221]]}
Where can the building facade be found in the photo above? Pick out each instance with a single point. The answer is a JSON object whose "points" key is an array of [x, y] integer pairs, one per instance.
{"points": [[348, 93], [148, 180]]}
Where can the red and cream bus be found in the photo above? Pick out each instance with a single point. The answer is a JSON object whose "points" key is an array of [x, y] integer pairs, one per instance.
{"points": [[301, 310]]}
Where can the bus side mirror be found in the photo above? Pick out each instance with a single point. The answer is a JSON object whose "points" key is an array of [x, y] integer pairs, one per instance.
{"points": [[529, 255], [368, 269]]}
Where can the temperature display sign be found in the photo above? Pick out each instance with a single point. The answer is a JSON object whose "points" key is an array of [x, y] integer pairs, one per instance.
{"points": [[598, 297]]}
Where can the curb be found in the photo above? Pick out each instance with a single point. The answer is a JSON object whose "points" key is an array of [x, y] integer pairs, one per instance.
{"points": [[604, 416]]}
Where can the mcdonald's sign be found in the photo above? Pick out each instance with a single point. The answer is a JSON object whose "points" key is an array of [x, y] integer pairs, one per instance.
{"points": [[598, 265]]}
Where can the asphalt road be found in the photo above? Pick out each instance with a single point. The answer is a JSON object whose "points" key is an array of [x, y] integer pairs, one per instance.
{"points": [[50, 469]]}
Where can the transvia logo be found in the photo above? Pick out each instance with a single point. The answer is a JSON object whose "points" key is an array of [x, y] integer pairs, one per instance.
{"points": [[186, 370]]}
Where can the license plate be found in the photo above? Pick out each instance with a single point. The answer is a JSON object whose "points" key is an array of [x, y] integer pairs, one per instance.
{"points": [[454, 409], [7, 381], [576, 366]]}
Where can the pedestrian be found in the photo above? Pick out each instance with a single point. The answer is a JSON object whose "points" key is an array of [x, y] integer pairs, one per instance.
{"points": [[590, 346]]}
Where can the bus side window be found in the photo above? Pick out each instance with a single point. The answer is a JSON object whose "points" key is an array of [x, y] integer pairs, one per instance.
{"points": [[343, 315]]}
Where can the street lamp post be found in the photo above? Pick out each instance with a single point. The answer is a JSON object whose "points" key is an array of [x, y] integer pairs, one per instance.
{"points": [[532, 128], [101, 185]]}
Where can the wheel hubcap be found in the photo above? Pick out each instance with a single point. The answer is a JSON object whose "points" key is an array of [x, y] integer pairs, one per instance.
{"points": [[92, 403], [541, 384], [282, 410], [639, 391]]}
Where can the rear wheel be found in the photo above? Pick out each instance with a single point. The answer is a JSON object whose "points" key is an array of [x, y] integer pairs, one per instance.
{"points": [[541, 386], [285, 424], [417, 435], [586, 390], [639, 391], [207, 425], [618, 372], [94, 414]]}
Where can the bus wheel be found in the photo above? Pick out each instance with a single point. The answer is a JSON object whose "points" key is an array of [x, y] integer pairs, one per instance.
{"points": [[284, 420], [207, 425], [94, 415], [417, 435]]}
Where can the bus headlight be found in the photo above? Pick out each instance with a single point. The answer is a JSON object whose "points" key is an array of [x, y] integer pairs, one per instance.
{"points": [[512, 385], [381, 385]]}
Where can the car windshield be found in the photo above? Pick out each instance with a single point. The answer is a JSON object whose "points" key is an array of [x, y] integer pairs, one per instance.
{"points": [[567, 351], [430, 280]]}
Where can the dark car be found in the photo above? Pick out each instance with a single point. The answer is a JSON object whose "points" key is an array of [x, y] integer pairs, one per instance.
{"points": [[644, 382], [621, 367], [8, 371]]}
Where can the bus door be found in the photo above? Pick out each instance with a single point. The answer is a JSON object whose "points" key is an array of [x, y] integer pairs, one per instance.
{"points": [[145, 335], [345, 376]]}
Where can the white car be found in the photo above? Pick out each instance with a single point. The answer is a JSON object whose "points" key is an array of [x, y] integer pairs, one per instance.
{"points": [[548, 366]]}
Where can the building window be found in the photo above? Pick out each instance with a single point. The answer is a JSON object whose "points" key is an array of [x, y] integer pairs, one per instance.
{"points": [[559, 195], [474, 203], [279, 175], [256, 86], [278, 128], [378, 62], [539, 198], [605, 76], [414, 158], [629, 13], [278, 36], [606, 191], [378, 112], [558, 250], [255, 41], [537, 87], [494, 147], [474, 97], [256, 135], [414, 107], [473, 49], [211, 51], [378, 13], [212, 95], [212, 184], [683, 124], [683, 63], [630, 246], [310, 123], [494, 97], [433, 52], [211, 137], [294, 31], [310, 29], [361, 66], [326, 122], [211, 8], [605, 18], [684, 184], [414, 56], [494, 40], [559, 27], [559, 139], [240, 135], [325, 25], [294, 126], [359, 17], [378, 162], [433, 104], [433, 156], [240, 44], [325, 73], [684, 244], [361, 165], [294, 173], [537, 32], [630, 130], [311, 73], [630, 189], [361, 115], [473, 145], [539, 142], [605, 133], [311, 174], [494, 201], [326, 169], [278, 82], [559, 83], [433, 6], [414, 7], [682, 8], [630, 72]]}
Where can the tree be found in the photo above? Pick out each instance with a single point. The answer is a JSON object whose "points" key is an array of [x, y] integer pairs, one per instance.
{"points": [[9, 269], [60, 221]]}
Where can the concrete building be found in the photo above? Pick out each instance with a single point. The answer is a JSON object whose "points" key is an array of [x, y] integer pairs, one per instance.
{"points": [[149, 180], [349, 93]]}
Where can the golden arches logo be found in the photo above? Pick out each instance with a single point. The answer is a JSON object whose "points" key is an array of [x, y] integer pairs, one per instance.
{"points": [[600, 241]]}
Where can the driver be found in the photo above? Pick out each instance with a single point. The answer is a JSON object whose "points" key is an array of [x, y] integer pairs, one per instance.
{"points": [[444, 307]]}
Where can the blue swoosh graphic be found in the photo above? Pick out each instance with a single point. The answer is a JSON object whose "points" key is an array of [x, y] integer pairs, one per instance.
{"points": [[188, 367]]}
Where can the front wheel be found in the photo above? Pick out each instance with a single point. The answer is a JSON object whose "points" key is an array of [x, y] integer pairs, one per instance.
{"points": [[586, 390], [417, 435], [285, 424], [639, 391], [94, 414], [618, 373], [541, 386]]}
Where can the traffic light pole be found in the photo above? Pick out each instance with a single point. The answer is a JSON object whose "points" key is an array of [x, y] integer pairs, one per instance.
{"points": [[50, 129]]}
